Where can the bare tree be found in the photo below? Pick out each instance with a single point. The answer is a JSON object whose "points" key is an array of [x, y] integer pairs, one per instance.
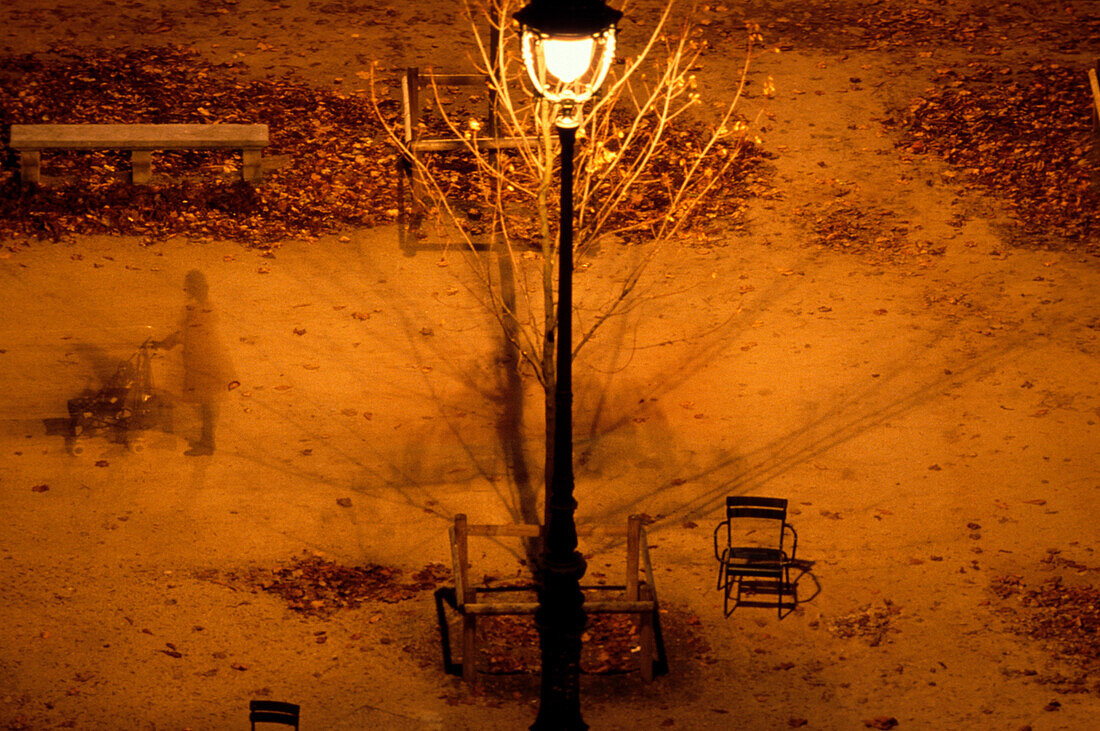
{"points": [[648, 169]]}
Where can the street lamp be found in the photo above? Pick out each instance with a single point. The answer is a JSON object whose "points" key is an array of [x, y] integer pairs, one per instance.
{"points": [[568, 47]]}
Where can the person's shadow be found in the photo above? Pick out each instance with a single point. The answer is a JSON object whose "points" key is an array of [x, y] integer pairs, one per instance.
{"points": [[207, 369]]}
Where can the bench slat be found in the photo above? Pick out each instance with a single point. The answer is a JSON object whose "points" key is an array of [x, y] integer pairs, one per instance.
{"points": [[137, 136]]}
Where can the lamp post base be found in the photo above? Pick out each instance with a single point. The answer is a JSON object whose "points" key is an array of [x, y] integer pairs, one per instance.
{"points": [[561, 620]]}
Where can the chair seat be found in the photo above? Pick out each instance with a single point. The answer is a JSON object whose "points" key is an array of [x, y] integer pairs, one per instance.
{"points": [[754, 561]]}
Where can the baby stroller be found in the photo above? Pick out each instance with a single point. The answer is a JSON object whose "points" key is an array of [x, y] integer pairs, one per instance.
{"points": [[123, 409]]}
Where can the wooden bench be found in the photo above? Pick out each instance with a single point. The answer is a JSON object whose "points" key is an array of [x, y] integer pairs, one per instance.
{"points": [[141, 140], [639, 596]]}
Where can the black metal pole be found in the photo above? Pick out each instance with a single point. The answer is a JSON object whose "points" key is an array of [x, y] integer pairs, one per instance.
{"points": [[560, 616]]}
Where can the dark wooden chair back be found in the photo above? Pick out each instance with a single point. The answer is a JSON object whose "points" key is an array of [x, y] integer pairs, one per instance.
{"points": [[273, 712], [761, 510]]}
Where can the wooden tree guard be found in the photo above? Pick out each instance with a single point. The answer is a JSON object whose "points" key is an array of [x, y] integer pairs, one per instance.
{"points": [[409, 183], [639, 597]]}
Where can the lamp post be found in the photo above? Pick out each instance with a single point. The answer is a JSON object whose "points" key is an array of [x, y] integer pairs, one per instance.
{"points": [[568, 47]]}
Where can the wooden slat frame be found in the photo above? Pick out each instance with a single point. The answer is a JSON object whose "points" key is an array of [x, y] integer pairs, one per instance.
{"points": [[640, 598], [412, 81]]}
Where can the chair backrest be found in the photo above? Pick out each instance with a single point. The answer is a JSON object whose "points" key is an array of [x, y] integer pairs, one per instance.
{"points": [[272, 712], [747, 506], [756, 521]]}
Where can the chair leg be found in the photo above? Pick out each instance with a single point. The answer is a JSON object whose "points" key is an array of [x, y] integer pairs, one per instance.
{"points": [[728, 586], [785, 587]]}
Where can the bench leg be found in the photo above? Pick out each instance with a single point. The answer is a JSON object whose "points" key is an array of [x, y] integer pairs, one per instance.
{"points": [[469, 650], [250, 169], [30, 162], [141, 166]]}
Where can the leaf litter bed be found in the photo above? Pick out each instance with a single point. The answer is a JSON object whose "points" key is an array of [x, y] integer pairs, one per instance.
{"points": [[316, 586], [336, 169], [329, 164], [1023, 136], [985, 26], [1063, 616], [509, 665], [638, 215]]}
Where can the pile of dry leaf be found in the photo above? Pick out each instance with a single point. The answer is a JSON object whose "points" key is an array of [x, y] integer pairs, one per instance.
{"points": [[644, 182], [871, 623], [316, 586], [861, 228], [329, 164], [334, 167], [1064, 617], [985, 26], [511, 644], [1023, 136]]}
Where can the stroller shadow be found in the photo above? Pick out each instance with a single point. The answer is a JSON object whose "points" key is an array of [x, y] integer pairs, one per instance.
{"points": [[121, 410]]}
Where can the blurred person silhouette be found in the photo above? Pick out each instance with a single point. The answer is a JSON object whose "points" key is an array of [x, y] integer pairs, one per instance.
{"points": [[207, 370]]}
